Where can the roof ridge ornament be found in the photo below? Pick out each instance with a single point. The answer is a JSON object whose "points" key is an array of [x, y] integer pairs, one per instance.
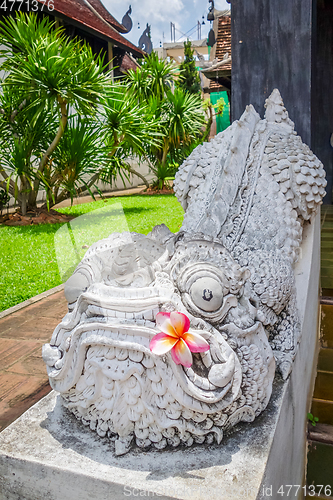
{"points": [[127, 21], [276, 111], [145, 42]]}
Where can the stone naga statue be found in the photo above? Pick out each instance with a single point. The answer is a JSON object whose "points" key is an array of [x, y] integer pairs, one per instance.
{"points": [[229, 271]]}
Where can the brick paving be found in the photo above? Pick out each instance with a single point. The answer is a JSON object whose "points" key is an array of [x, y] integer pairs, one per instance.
{"points": [[23, 378]]}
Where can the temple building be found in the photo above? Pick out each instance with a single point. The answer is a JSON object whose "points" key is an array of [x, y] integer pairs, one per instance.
{"points": [[92, 22], [216, 73]]}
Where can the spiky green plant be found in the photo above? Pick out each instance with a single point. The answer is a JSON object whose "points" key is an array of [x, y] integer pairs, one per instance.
{"points": [[181, 119], [164, 174], [130, 129], [178, 114], [24, 138], [52, 73], [77, 162], [154, 78]]}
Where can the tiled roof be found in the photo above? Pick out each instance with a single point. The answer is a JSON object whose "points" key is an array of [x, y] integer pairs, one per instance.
{"points": [[223, 46], [128, 63], [99, 7], [223, 43], [79, 11]]}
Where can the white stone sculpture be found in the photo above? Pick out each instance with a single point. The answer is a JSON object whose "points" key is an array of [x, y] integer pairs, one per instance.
{"points": [[246, 195]]}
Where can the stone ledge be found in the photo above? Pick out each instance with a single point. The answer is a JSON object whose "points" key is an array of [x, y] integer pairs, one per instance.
{"points": [[321, 432]]}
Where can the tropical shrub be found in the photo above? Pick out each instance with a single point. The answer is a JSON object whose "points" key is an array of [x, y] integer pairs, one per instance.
{"points": [[181, 122], [189, 79], [25, 135], [178, 115], [49, 75], [154, 78], [64, 126], [77, 162], [164, 174], [130, 129]]}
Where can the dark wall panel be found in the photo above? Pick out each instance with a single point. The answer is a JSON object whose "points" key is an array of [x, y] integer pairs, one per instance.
{"points": [[322, 91], [271, 48]]}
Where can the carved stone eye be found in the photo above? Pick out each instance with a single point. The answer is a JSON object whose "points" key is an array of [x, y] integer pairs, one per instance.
{"points": [[207, 294]]}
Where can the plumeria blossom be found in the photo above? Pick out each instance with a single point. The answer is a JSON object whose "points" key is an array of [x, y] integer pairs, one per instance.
{"points": [[175, 337]]}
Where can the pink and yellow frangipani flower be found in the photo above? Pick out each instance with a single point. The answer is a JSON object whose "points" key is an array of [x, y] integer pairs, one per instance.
{"points": [[175, 337]]}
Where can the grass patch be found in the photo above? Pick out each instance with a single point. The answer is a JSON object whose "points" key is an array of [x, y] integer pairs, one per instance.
{"points": [[34, 259]]}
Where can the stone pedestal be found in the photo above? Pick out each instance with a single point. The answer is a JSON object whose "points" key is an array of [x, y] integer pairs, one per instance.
{"points": [[48, 455]]}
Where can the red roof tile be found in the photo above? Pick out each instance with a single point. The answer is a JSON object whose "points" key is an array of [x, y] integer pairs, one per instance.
{"points": [[128, 63], [223, 42], [215, 86], [79, 11]]}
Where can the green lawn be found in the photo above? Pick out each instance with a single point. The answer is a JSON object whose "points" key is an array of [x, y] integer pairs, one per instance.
{"points": [[36, 258]]}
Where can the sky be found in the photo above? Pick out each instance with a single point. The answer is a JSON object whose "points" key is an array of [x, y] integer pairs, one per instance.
{"points": [[159, 13]]}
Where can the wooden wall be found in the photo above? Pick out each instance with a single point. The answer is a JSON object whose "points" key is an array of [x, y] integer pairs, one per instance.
{"points": [[271, 48], [287, 44], [322, 91]]}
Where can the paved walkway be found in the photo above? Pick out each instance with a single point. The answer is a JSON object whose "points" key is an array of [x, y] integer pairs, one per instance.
{"points": [[23, 378], [109, 194]]}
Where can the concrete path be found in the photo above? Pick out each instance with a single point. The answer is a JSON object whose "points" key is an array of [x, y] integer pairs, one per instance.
{"points": [[88, 198], [23, 378]]}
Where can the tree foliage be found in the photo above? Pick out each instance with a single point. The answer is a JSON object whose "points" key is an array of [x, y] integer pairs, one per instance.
{"points": [[46, 75], [189, 80], [153, 79], [130, 129], [77, 161], [176, 114]]}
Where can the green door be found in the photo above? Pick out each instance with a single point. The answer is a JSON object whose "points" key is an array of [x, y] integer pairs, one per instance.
{"points": [[223, 120]]}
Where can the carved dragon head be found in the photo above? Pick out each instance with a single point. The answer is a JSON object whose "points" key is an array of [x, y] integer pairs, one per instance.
{"points": [[221, 270]]}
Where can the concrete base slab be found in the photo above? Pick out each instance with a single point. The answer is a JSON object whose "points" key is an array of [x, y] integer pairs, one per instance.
{"points": [[48, 454]]}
